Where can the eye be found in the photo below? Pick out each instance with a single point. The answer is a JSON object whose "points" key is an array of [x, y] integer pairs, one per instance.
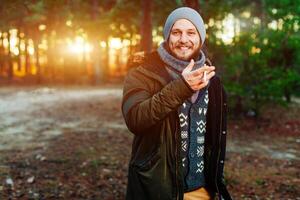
{"points": [[191, 33], [175, 32]]}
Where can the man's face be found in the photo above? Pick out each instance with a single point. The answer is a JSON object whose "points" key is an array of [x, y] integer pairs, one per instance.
{"points": [[184, 40]]}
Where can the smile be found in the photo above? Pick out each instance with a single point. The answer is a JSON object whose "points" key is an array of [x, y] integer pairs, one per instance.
{"points": [[183, 48]]}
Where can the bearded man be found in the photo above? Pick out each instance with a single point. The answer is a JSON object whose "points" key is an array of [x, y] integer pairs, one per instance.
{"points": [[175, 106]]}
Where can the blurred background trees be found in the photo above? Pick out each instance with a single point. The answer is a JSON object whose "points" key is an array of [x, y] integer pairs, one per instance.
{"points": [[254, 44]]}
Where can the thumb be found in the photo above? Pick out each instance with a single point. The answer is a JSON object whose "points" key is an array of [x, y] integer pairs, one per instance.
{"points": [[189, 67]]}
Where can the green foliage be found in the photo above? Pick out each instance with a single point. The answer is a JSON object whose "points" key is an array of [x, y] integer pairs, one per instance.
{"points": [[260, 66], [262, 77]]}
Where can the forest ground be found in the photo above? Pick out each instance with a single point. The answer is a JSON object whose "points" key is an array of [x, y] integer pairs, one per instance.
{"points": [[72, 143]]}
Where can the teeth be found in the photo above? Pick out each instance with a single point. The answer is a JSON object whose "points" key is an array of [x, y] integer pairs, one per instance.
{"points": [[184, 48]]}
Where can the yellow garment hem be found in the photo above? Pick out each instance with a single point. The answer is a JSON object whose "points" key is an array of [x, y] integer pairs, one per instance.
{"points": [[199, 194]]}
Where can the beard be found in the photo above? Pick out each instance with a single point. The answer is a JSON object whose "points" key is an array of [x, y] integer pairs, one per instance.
{"points": [[177, 52]]}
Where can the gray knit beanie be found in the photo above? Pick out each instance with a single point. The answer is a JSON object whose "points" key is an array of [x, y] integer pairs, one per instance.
{"points": [[185, 13]]}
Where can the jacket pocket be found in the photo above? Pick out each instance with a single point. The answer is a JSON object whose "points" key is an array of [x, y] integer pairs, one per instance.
{"points": [[148, 162], [148, 180]]}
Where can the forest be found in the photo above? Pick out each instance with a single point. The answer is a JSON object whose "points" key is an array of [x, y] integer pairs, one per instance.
{"points": [[62, 67]]}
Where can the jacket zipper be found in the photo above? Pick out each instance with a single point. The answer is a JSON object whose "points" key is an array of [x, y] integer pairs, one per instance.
{"points": [[176, 160], [219, 150]]}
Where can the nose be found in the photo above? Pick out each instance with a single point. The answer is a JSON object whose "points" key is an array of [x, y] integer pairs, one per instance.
{"points": [[184, 37]]}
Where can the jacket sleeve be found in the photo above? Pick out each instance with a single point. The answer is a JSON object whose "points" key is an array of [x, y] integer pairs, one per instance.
{"points": [[141, 109]]}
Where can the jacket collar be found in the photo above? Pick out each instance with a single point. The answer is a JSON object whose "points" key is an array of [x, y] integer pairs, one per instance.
{"points": [[154, 67]]}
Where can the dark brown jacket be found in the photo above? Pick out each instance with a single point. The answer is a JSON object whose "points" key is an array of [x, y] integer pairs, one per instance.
{"points": [[149, 106]]}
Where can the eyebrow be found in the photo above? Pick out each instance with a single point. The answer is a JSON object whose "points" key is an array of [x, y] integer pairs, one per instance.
{"points": [[178, 29]]}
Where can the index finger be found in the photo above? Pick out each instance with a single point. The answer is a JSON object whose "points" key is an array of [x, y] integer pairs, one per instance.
{"points": [[202, 69]]}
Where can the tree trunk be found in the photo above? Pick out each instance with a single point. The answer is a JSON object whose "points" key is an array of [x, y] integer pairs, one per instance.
{"points": [[27, 58], [192, 4], [50, 68], [146, 26], [263, 16], [130, 43], [37, 57], [2, 54], [105, 68], [97, 68], [288, 53], [95, 9], [19, 47], [10, 61]]}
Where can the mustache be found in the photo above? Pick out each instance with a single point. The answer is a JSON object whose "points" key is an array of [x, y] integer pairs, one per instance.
{"points": [[183, 45]]}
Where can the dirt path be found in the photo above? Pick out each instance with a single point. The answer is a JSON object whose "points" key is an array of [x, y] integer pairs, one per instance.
{"points": [[44, 113], [72, 143], [30, 117]]}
